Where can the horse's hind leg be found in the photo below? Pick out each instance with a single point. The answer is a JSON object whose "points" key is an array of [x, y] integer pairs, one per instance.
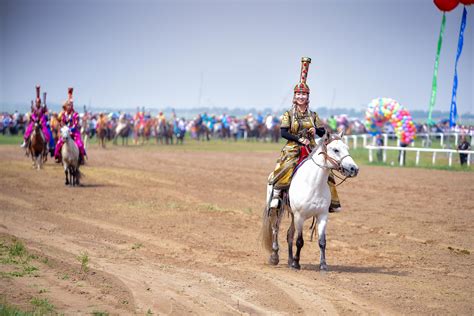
{"points": [[299, 241], [275, 223], [67, 178], [289, 238], [322, 221], [77, 175]]}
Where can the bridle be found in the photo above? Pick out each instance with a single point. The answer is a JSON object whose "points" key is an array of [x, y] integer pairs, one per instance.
{"points": [[336, 165]]}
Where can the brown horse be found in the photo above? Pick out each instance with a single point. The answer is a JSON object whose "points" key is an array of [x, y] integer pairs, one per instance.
{"points": [[38, 146], [101, 133], [164, 131]]}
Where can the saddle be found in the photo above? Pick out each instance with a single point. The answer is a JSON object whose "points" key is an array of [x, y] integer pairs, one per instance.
{"points": [[304, 153]]}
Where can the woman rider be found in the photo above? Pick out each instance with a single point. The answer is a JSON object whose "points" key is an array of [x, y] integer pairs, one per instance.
{"points": [[38, 113], [69, 117], [299, 126]]}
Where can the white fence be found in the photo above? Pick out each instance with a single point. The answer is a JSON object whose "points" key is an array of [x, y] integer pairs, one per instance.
{"points": [[355, 140], [449, 152]]}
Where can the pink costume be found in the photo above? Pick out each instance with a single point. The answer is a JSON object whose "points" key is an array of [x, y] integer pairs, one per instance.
{"points": [[37, 114], [71, 120]]}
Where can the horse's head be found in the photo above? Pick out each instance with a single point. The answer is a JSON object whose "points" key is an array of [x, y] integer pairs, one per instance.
{"points": [[65, 133], [337, 154], [37, 123]]}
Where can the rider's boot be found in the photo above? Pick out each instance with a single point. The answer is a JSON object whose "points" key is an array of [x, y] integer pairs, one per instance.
{"points": [[24, 144], [275, 202], [81, 159], [335, 206]]}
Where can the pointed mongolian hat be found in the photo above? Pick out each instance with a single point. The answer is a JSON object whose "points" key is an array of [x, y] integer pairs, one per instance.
{"points": [[302, 86], [69, 100], [38, 99]]}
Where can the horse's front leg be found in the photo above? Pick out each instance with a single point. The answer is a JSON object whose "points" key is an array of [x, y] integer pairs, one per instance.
{"points": [[322, 221], [71, 175], [299, 221], [290, 235]]}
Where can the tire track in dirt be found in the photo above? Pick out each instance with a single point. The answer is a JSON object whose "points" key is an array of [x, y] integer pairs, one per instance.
{"points": [[196, 231]]}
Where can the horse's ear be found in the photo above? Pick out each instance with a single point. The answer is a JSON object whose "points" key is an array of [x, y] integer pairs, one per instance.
{"points": [[326, 136], [341, 134]]}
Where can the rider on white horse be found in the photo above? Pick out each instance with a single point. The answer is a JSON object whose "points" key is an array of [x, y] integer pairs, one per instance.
{"points": [[299, 127]]}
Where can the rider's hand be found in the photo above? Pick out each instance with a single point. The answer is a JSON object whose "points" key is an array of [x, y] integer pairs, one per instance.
{"points": [[312, 131], [304, 141]]}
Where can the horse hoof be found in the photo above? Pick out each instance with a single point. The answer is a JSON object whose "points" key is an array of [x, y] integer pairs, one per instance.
{"points": [[274, 259], [323, 267], [295, 265]]}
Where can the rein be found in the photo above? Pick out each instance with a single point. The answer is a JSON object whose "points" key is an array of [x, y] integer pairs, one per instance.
{"points": [[337, 165]]}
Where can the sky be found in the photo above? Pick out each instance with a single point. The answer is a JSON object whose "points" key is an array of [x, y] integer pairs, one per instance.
{"points": [[183, 54]]}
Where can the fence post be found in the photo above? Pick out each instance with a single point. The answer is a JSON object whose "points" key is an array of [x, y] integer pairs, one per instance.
{"points": [[364, 140], [456, 135], [385, 155], [441, 139], [417, 157], [402, 154], [450, 159], [370, 155], [468, 159], [355, 141], [434, 157]]}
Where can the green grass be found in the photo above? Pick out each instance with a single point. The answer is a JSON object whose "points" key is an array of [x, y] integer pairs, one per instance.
{"points": [[360, 154], [17, 258], [11, 140], [38, 307], [8, 310], [83, 258], [42, 306]]}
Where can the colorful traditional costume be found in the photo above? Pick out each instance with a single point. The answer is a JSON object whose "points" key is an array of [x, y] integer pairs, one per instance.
{"points": [[295, 128], [69, 117], [38, 113]]}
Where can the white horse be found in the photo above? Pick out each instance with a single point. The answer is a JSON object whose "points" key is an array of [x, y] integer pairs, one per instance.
{"points": [[70, 158], [308, 197]]}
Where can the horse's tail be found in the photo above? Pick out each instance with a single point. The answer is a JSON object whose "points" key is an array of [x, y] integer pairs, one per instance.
{"points": [[266, 232], [269, 216], [79, 174]]}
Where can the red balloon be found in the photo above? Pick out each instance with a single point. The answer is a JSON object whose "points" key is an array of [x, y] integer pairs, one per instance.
{"points": [[447, 5], [467, 2]]}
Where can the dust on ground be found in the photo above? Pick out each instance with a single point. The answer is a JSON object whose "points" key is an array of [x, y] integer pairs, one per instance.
{"points": [[172, 232]]}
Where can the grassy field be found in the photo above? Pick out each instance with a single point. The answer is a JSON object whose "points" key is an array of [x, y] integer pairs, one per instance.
{"points": [[360, 155]]}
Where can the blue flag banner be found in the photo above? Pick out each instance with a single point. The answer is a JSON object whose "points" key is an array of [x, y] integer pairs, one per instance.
{"points": [[453, 114]]}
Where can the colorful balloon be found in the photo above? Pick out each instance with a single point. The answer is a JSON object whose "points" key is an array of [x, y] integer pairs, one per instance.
{"points": [[467, 2], [385, 110], [446, 5]]}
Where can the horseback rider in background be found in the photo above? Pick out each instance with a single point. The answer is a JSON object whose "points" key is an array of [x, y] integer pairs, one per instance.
{"points": [[69, 117], [38, 113]]}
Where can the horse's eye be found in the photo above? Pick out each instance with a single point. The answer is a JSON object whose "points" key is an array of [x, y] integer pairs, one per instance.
{"points": [[336, 151]]}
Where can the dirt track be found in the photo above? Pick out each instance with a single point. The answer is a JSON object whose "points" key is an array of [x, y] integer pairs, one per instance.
{"points": [[173, 232]]}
